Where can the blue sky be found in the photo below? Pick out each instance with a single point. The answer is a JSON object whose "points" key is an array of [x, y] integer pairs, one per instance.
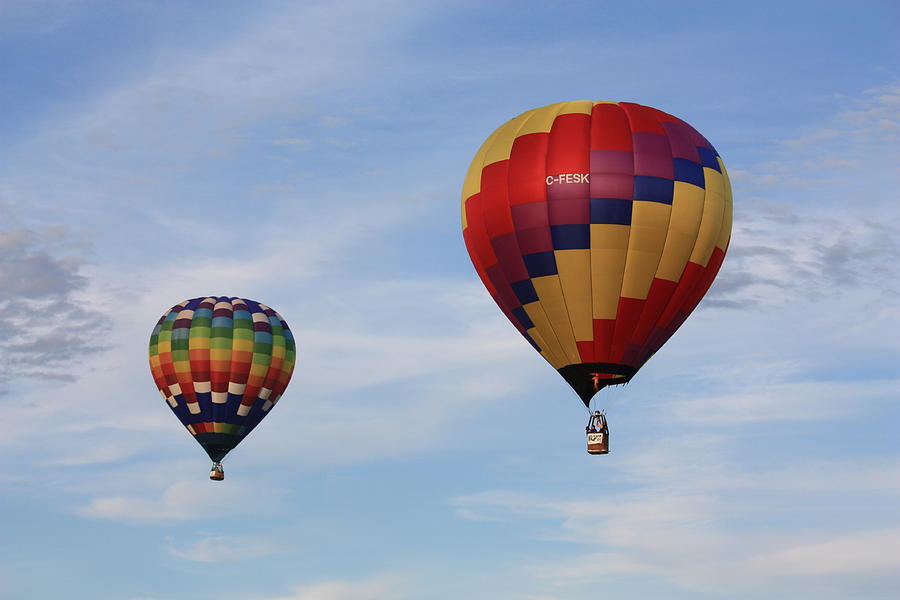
{"points": [[310, 156]]}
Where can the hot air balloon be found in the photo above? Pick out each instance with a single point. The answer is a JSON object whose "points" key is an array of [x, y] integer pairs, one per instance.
{"points": [[221, 364], [597, 227]]}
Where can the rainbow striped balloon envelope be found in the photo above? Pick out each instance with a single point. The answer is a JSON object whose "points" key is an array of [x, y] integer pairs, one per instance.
{"points": [[221, 364], [597, 227]]}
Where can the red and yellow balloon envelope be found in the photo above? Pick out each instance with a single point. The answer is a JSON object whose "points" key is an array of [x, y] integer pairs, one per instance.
{"points": [[221, 364], [597, 227]]}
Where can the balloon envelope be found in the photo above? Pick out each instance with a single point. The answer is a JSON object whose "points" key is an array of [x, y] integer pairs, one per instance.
{"points": [[597, 227], [221, 364]]}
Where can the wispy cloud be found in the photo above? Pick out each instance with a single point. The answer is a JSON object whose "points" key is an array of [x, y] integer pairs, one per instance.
{"points": [[224, 548], [378, 588], [816, 257], [179, 501], [696, 509], [683, 529], [862, 135], [865, 552], [102, 451], [787, 401], [188, 104]]}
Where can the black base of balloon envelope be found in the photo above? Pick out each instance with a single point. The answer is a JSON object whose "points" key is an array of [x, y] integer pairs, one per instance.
{"points": [[217, 445], [583, 377]]}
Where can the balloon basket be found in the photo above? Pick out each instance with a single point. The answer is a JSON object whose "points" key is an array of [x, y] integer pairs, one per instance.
{"points": [[598, 443], [217, 473]]}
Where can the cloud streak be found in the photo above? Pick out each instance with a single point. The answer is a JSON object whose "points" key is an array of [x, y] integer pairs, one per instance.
{"points": [[179, 501], [224, 548], [683, 525], [378, 588], [865, 552]]}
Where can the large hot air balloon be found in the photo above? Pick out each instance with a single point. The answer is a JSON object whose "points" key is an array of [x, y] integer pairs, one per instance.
{"points": [[597, 227], [221, 364]]}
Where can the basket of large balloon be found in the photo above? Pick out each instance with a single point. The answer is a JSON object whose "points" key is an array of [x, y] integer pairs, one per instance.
{"points": [[597, 434]]}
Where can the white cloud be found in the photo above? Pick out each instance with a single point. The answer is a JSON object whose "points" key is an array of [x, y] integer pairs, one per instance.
{"points": [[179, 501], [809, 259], [710, 464], [857, 553], [378, 588], [692, 541], [46, 329], [797, 400], [102, 452], [223, 548], [817, 222], [695, 514]]}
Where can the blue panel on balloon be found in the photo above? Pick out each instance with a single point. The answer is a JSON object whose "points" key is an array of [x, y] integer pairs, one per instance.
{"points": [[653, 189], [571, 237], [524, 291], [610, 211], [688, 171], [540, 264], [708, 158], [523, 318]]}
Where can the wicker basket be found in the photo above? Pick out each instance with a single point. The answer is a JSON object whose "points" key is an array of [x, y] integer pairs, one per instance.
{"points": [[598, 442], [217, 473]]}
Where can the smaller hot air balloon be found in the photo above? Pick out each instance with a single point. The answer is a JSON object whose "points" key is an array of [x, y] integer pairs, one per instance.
{"points": [[221, 364]]}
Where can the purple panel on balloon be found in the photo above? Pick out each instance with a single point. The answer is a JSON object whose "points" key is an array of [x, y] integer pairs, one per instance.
{"points": [[534, 239], [566, 191], [576, 211], [652, 155], [612, 161], [612, 186], [681, 141], [532, 214], [506, 247]]}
